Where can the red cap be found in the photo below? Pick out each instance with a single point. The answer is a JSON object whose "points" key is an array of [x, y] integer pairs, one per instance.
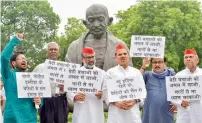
{"points": [[190, 51], [120, 46], [88, 50]]}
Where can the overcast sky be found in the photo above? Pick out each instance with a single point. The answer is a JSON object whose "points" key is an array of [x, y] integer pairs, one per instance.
{"points": [[77, 8]]}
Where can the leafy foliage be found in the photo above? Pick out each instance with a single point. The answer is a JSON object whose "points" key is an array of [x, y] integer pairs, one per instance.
{"points": [[179, 21], [73, 30], [38, 22]]}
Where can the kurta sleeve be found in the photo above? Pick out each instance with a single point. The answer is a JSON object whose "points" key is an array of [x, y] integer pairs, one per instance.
{"points": [[71, 96], [145, 76], [6, 55], [142, 80], [38, 68], [102, 83], [104, 89]]}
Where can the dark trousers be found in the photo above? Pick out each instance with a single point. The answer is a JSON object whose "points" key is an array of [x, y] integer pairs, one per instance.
{"points": [[54, 110]]}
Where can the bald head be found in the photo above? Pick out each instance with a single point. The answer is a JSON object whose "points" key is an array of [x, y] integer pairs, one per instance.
{"points": [[97, 8]]}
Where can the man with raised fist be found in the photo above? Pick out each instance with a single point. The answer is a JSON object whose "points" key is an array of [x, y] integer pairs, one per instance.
{"points": [[17, 110]]}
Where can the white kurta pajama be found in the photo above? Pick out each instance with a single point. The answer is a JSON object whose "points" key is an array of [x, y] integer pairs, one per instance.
{"points": [[116, 115], [193, 114], [91, 109]]}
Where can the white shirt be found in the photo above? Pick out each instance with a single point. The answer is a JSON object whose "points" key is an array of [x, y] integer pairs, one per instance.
{"points": [[116, 115], [91, 109], [2, 93], [193, 114], [1, 116]]}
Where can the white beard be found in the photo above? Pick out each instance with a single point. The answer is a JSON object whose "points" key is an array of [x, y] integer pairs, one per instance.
{"points": [[87, 66]]}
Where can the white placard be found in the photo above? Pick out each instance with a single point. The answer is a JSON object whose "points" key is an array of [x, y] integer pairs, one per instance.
{"points": [[57, 70], [125, 88], [147, 46], [183, 88], [33, 84], [83, 80]]}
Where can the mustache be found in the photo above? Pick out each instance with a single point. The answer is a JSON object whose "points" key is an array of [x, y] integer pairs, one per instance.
{"points": [[91, 63], [156, 67], [123, 58], [96, 28]]}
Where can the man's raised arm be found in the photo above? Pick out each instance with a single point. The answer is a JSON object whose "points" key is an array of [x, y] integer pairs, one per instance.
{"points": [[7, 53]]}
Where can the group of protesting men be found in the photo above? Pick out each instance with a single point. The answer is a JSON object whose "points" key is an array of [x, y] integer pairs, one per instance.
{"points": [[88, 108]]}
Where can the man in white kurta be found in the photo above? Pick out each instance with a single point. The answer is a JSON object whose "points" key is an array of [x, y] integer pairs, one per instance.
{"points": [[88, 108], [189, 111], [122, 111]]}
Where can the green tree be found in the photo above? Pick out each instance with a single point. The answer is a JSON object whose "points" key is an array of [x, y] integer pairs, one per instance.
{"points": [[179, 21], [38, 22], [73, 30]]}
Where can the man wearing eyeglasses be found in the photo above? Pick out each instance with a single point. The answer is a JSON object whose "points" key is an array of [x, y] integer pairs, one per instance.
{"points": [[189, 111], [156, 107], [88, 108], [17, 110]]}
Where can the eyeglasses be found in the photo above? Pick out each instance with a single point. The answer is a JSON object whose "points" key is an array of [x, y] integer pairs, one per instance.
{"points": [[21, 58], [157, 62]]}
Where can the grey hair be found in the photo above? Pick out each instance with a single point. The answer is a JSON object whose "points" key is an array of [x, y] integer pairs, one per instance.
{"points": [[83, 55], [50, 44]]}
